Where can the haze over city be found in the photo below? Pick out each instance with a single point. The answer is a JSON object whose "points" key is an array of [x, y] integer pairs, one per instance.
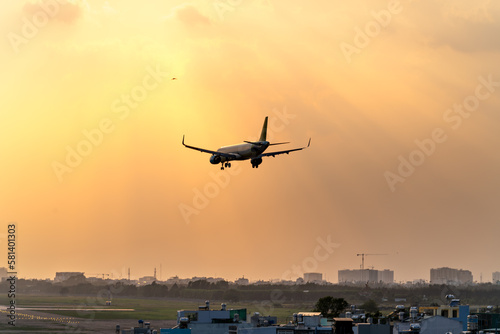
{"points": [[401, 100]]}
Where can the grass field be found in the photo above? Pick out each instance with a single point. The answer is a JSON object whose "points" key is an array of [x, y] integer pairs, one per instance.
{"points": [[151, 309]]}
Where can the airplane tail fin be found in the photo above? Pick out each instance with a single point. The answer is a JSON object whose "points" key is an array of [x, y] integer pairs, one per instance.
{"points": [[263, 134]]}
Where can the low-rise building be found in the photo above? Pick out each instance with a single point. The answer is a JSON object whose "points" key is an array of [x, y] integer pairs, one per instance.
{"points": [[242, 281], [432, 325], [456, 312], [147, 280], [64, 276]]}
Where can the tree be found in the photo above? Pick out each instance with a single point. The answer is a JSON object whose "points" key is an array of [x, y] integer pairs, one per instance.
{"points": [[370, 306], [330, 307], [221, 285], [154, 290], [232, 295], [174, 291], [199, 284]]}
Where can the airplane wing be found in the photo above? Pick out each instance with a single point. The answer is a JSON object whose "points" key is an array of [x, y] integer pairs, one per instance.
{"points": [[226, 155], [273, 154]]}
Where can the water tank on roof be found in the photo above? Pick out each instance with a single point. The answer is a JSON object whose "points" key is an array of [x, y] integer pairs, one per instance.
{"points": [[413, 313], [183, 322], [415, 327]]}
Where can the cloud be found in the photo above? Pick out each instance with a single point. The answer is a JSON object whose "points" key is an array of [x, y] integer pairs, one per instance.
{"points": [[63, 10], [189, 15], [464, 26], [467, 36], [108, 9]]}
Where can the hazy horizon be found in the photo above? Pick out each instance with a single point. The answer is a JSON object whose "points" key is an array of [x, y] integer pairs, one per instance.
{"points": [[401, 100], [162, 278]]}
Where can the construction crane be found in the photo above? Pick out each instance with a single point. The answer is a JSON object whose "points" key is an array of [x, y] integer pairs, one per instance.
{"points": [[363, 258]]}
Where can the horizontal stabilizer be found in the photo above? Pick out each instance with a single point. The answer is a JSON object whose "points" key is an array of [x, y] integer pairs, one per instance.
{"points": [[261, 143]]}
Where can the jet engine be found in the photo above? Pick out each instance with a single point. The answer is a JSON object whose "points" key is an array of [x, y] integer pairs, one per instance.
{"points": [[215, 159], [256, 162]]}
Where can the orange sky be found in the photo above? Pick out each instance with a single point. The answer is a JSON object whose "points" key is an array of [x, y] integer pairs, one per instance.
{"points": [[374, 83]]}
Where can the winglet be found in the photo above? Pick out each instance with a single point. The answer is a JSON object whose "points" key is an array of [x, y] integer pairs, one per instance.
{"points": [[309, 143], [263, 134], [183, 140]]}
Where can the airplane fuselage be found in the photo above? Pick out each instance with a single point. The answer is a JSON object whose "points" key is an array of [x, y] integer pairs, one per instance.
{"points": [[243, 151]]}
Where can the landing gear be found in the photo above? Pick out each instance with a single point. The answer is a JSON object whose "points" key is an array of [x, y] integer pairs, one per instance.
{"points": [[225, 164]]}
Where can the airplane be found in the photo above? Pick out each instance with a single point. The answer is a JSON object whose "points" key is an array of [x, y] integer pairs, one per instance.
{"points": [[247, 150]]}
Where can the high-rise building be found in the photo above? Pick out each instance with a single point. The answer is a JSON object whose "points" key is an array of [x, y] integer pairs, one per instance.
{"points": [[3, 273], [447, 275], [313, 277], [496, 277], [366, 276], [386, 276]]}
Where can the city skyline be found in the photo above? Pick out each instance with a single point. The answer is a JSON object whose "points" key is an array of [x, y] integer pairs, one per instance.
{"points": [[400, 98], [161, 277]]}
